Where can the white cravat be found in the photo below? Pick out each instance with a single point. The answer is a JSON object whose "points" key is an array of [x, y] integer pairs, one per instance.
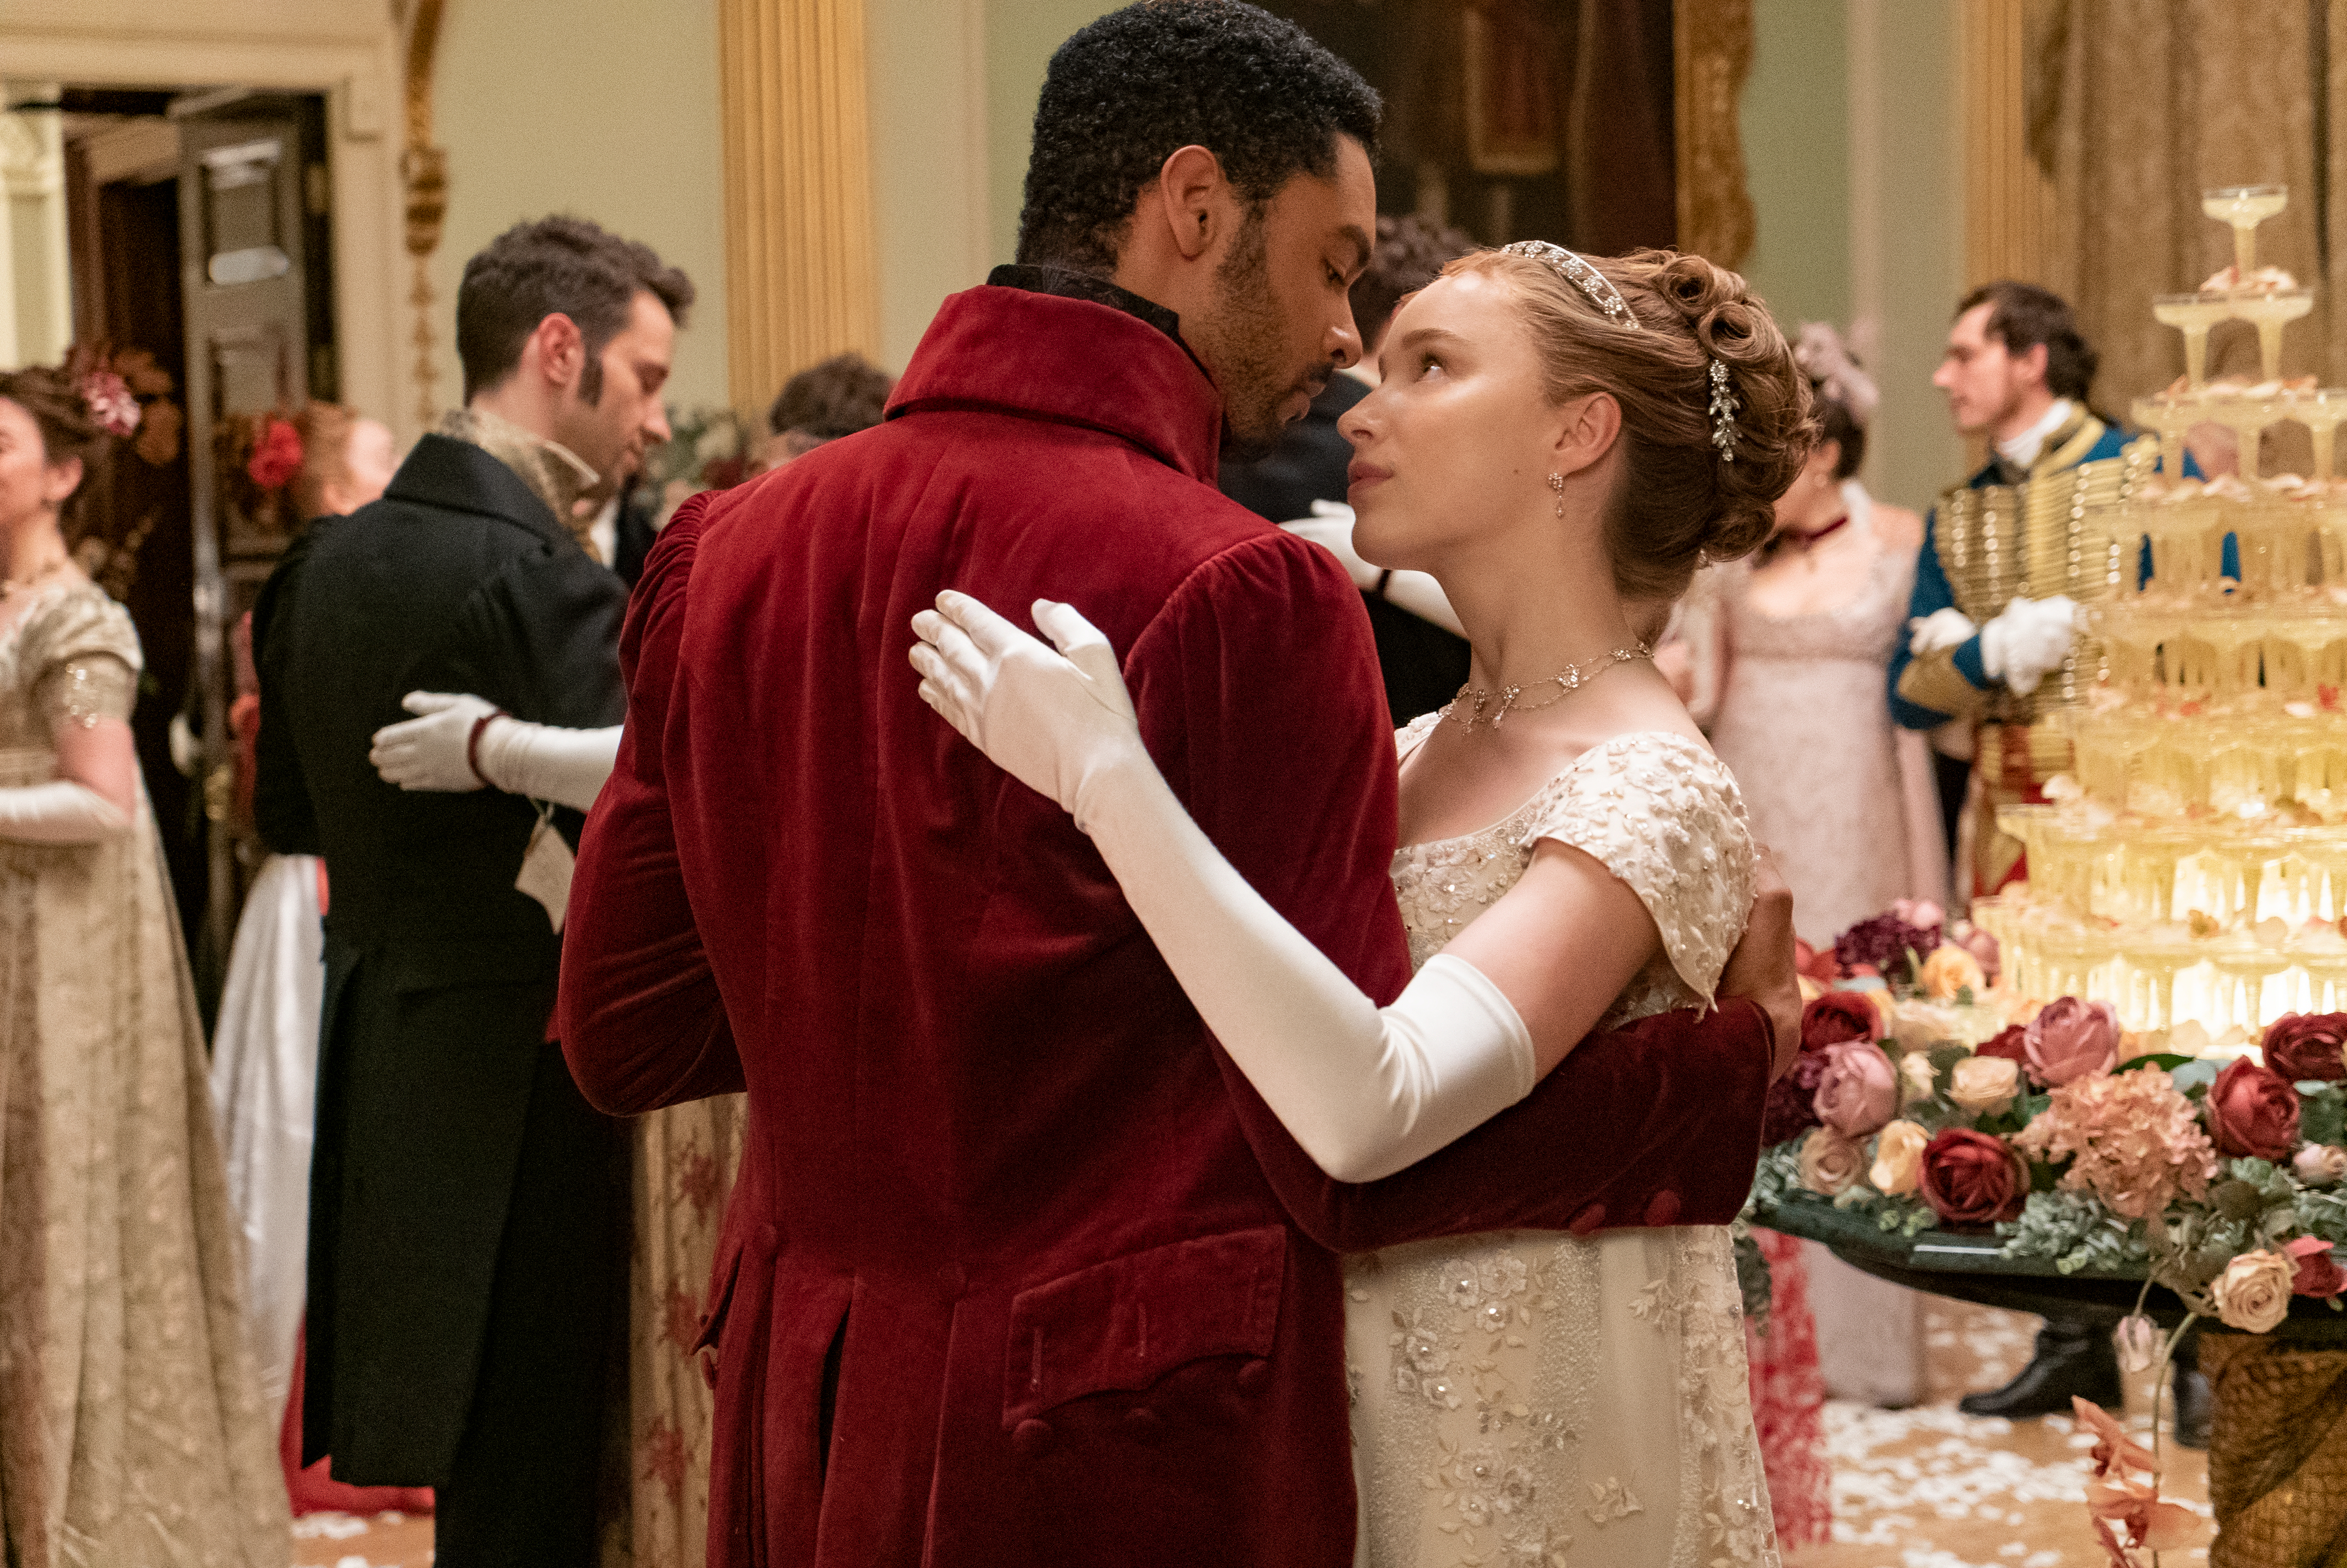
{"points": [[2022, 450]]}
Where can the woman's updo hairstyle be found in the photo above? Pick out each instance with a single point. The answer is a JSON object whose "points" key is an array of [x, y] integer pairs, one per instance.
{"points": [[68, 429], [1679, 504]]}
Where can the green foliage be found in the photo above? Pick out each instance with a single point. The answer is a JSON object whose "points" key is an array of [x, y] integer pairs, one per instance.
{"points": [[2073, 1230], [2322, 1113], [2166, 1061], [1753, 1279]]}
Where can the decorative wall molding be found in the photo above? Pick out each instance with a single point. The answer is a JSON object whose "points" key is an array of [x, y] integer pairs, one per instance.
{"points": [[1711, 54], [800, 281]]}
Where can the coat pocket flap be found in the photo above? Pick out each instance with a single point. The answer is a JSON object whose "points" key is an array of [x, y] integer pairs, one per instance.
{"points": [[1124, 1324]]}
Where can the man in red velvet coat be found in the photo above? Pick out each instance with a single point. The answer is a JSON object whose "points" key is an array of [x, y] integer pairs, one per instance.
{"points": [[1019, 1269]]}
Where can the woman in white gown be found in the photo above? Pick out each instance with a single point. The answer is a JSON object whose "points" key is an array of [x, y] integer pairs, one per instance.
{"points": [[1559, 441]]}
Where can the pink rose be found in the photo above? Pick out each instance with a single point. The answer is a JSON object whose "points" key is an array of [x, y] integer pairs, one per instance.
{"points": [[2069, 1038], [1860, 1090], [2319, 1165], [2319, 1273], [2252, 1113]]}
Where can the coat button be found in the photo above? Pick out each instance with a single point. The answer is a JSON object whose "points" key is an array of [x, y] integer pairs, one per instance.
{"points": [[1032, 1439], [1254, 1377], [1587, 1220], [1663, 1209], [1143, 1425]]}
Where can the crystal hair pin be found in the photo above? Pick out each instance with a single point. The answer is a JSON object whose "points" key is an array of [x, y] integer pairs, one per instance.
{"points": [[1594, 284], [1723, 413]]}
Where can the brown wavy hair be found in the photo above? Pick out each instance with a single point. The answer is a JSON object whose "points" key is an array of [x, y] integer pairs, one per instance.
{"points": [[1677, 504], [68, 428]]}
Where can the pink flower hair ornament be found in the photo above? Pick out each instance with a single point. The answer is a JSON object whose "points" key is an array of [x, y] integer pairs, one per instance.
{"points": [[110, 402]]}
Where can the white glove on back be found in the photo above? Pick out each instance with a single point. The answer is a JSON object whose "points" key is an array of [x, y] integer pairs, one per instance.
{"points": [[541, 761], [2028, 641], [428, 753], [1057, 724], [1365, 1091]]}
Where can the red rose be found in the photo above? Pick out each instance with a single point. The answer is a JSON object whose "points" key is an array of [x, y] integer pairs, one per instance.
{"points": [[2253, 1112], [276, 456], [2008, 1043], [2319, 1273], [1838, 1017], [1973, 1179], [2301, 1046]]}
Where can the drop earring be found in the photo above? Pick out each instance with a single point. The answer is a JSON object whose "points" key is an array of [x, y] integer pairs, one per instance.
{"points": [[1556, 483]]}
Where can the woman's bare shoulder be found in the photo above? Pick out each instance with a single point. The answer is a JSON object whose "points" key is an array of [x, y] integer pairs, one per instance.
{"points": [[1898, 527]]}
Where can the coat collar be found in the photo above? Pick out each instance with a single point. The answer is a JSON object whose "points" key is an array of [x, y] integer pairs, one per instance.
{"points": [[457, 476], [1072, 360]]}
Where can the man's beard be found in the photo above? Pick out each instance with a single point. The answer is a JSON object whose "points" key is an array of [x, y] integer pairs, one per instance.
{"points": [[1242, 343]]}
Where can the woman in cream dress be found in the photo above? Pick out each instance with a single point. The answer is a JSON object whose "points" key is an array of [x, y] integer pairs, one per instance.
{"points": [[132, 1427], [1558, 440]]}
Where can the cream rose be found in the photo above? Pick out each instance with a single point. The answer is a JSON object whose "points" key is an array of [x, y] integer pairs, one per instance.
{"points": [[1830, 1163], [1899, 1159], [2253, 1293], [1916, 1078], [1918, 1026], [2319, 1165], [1984, 1084], [1951, 970]]}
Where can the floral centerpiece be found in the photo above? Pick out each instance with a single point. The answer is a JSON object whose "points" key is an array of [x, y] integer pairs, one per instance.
{"points": [[2211, 1167]]}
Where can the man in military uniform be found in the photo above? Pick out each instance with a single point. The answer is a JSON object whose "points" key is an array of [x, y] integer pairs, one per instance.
{"points": [[2016, 374]]}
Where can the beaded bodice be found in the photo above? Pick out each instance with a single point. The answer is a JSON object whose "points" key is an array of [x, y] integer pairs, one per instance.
{"points": [[1654, 808]]}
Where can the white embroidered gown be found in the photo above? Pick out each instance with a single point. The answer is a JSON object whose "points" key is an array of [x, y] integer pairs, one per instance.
{"points": [[1529, 1398]]}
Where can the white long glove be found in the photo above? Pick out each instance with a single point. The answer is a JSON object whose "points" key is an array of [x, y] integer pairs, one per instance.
{"points": [[59, 812], [541, 761], [1365, 1091], [2028, 641], [1330, 526]]}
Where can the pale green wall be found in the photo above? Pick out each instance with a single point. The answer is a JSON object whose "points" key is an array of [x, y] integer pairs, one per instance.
{"points": [[1796, 160], [1020, 35], [1920, 206], [607, 108]]}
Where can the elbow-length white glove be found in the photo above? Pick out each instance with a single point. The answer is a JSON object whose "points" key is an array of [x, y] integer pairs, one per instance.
{"points": [[1365, 1091], [1330, 526], [435, 752], [59, 812]]}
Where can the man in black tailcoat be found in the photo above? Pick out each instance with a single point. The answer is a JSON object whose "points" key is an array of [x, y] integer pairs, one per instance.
{"points": [[467, 1214]]}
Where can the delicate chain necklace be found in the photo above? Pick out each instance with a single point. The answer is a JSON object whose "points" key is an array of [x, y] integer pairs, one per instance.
{"points": [[10, 586], [1507, 698]]}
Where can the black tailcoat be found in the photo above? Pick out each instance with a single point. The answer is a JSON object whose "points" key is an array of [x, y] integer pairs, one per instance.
{"points": [[439, 974]]}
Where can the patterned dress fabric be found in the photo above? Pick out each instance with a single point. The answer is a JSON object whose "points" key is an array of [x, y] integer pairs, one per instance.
{"points": [[1788, 1398], [1534, 1399], [685, 1159], [1805, 726], [133, 1429]]}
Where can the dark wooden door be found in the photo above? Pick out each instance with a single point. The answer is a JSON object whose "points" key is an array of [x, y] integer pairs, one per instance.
{"points": [[256, 289]]}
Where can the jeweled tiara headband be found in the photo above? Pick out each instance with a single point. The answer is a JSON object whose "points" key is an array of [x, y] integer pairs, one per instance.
{"points": [[1595, 285]]}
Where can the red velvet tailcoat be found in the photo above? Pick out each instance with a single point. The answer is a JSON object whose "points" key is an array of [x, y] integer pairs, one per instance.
{"points": [[1080, 1281]]}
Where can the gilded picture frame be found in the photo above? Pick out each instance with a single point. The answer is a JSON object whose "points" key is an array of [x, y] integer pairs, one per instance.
{"points": [[1711, 46]]}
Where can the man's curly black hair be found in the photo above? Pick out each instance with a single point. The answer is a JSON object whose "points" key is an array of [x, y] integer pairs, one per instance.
{"points": [[1126, 92]]}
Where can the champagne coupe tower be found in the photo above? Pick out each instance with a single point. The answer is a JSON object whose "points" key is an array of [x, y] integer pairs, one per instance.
{"points": [[2193, 869]]}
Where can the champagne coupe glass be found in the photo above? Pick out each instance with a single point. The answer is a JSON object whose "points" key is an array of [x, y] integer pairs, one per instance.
{"points": [[2244, 207], [2193, 315], [2270, 310]]}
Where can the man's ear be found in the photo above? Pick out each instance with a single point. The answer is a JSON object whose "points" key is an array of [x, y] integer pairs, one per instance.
{"points": [[2033, 363], [560, 349], [1192, 199]]}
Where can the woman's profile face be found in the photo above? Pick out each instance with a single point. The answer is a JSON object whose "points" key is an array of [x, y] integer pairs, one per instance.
{"points": [[29, 482], [1457, 436]]}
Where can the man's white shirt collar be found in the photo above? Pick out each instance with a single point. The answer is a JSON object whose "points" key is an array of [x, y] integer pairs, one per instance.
{"points": [[2022, 450]]}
